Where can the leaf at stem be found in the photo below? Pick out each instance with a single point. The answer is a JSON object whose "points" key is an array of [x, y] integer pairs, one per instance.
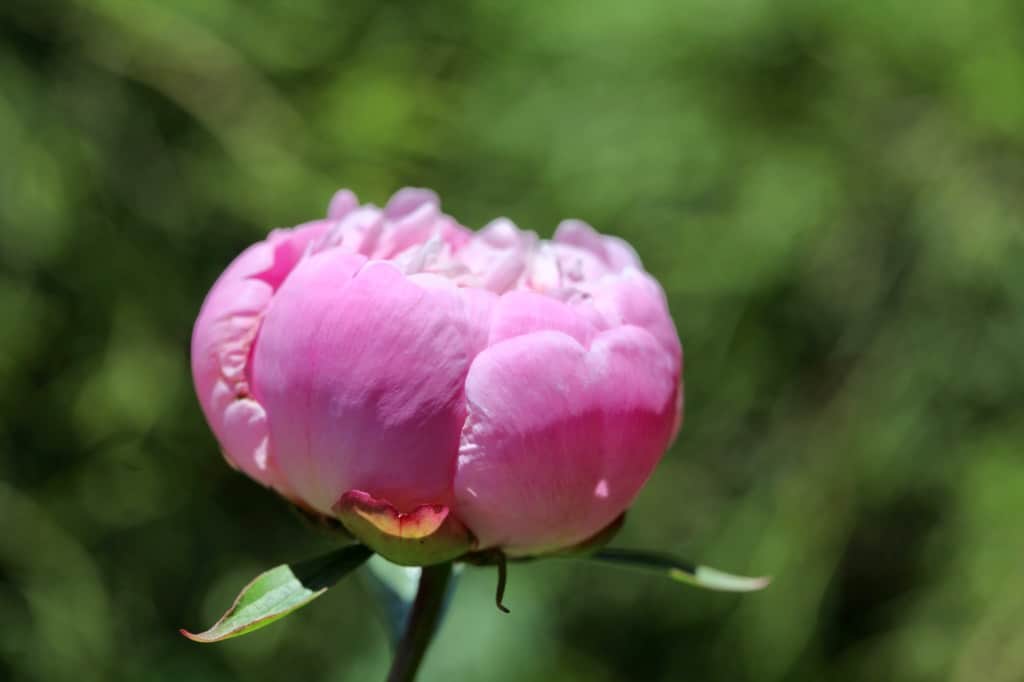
{"points": [[679, 570], [281, 590]]}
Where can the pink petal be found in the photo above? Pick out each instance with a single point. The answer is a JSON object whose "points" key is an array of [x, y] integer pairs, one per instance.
{"points": [[497, 255], [222, 340], [614, 252], [357, 231], [632, 297], [341, 204], [479, 311], [578, 265], [408, 200], [580, 234], [453, 234], [620, 254], [524, 312], [362, 373], [560, 439], [412, 217]]}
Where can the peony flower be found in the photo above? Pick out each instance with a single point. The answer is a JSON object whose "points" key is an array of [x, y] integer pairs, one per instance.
{"points": [[441, 391]]}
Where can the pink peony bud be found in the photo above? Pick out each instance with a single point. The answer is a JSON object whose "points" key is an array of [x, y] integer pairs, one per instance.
{"points": [[419, 381]]}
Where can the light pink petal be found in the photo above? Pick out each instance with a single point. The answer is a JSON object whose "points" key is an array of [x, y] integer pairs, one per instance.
{"points": [[612, 251], [408, 200], [631, 297], [454, 235], [357, 231], [412, 217], [578, 265], [543, 273], [503, 233], [343, 202], [580, 234], [497, 256], [620, 254], [523, 312], [362, 374], [222, 338], [560, 439]]}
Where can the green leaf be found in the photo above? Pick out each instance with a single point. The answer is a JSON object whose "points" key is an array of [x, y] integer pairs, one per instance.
{"points": [[679, 570], [281, 590]]}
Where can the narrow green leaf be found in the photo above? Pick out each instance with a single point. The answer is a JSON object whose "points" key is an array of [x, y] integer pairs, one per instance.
{"points": [[679, 570], [281, 590]]}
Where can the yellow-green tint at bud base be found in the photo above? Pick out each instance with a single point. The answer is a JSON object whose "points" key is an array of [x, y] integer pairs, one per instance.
{"points": [[429, 534]]}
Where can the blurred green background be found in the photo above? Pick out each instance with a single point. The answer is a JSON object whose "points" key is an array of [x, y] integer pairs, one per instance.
{"points": [[831, 193]]}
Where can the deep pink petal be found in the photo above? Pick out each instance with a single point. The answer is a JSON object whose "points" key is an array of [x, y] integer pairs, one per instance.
{"points": [[560, 439], [362, 372]]}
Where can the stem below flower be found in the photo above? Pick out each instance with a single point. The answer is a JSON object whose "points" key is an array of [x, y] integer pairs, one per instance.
{"points": [[422, 622]]}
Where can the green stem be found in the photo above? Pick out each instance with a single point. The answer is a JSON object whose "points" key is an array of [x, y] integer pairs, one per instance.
{"points": [[422, 622]]}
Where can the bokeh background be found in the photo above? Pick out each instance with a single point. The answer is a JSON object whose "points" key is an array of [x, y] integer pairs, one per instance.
{"points": [[831, 192]]}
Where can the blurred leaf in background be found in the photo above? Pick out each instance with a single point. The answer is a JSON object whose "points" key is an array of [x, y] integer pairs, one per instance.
{"points": [[831, 193]]}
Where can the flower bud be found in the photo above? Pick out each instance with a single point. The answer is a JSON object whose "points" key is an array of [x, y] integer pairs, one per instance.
{"points": [[441, 391]]}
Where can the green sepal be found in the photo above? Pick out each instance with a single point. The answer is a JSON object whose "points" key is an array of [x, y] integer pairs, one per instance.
{"points": [[427, 535]]}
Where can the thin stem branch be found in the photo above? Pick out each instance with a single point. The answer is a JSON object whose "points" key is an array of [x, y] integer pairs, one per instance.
{"points": [[499, 595], [422, 622]]}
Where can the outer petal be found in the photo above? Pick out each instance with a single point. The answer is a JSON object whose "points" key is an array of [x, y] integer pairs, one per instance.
{"points": [[560, 439], [362, 374], [222, 338], [479, 305], [631, 297], [524, 312]]}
